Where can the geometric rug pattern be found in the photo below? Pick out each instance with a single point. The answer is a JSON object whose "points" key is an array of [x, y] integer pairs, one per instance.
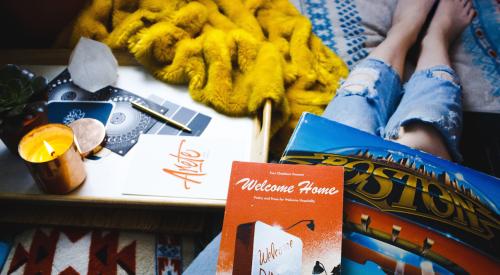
{"points": [[168, 255], [74, 251]]}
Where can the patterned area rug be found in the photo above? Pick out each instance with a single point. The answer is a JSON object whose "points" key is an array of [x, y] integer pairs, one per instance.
{"points": [[352, 29], [71, 251]]}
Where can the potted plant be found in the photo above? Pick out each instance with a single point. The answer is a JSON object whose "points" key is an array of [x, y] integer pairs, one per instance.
{"points": [[23, 99]]}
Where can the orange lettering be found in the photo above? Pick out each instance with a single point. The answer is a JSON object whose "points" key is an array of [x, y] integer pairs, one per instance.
{"points": [[188, 166]]}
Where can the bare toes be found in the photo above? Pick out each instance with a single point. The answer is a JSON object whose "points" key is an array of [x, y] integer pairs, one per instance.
{"points": [[468, 6], [472, 13]]}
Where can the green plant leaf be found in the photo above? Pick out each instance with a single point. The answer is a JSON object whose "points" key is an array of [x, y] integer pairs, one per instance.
{"points": [[18, 88], [17, 110], [39, 84]]}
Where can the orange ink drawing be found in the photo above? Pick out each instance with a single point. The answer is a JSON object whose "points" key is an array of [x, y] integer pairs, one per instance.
{"points": [[188, 166]]}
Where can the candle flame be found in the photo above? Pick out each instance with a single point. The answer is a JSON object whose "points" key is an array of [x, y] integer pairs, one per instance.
{"points": [[49, 148]]}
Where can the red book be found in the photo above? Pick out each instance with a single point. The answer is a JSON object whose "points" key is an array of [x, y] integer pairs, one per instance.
{"points": [[282, 219]]}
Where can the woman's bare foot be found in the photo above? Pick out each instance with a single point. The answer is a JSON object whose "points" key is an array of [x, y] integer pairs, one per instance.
{"points": [[407, 21], [450, 19]]}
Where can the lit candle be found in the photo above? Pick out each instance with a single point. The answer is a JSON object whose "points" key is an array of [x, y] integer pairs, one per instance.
{"points": [[52, 158], [49, 148]]}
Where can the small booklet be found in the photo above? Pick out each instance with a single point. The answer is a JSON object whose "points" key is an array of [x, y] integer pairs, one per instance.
{"points": [[182, 166], [282, 219]]}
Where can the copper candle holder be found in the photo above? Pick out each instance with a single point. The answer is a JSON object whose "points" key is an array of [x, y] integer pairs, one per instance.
{"points": [[53, 159]]}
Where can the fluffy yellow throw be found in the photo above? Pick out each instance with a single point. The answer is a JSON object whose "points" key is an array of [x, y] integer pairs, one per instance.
{"points": [[233, 54]]}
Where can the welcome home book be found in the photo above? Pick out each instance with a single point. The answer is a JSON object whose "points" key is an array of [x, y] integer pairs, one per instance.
{"points": [[282, 219]]}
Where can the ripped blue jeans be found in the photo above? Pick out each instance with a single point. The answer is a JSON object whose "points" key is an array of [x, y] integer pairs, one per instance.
{"points": [[372, 99]]}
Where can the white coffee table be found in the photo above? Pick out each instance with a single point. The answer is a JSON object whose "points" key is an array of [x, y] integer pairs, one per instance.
{"points": [[102, 186]]}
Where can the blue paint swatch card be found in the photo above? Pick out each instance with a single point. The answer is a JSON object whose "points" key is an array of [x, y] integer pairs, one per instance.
{"points": [[66, 112]]}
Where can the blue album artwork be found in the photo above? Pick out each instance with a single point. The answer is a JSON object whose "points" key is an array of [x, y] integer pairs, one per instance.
{"points": [[405, 211], [66, 112]]}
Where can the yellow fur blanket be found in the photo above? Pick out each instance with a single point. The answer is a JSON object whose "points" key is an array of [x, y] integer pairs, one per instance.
{"points": [[233, 54]]}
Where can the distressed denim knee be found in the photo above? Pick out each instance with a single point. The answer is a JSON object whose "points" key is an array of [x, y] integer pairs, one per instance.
{"points": [[206, 262], [432, 96], [367, 98]]}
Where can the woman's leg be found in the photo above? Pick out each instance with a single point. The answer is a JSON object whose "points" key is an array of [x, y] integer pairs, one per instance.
{"points": [[451, 18], [370, 94], [429, 115], [407, 21]]}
